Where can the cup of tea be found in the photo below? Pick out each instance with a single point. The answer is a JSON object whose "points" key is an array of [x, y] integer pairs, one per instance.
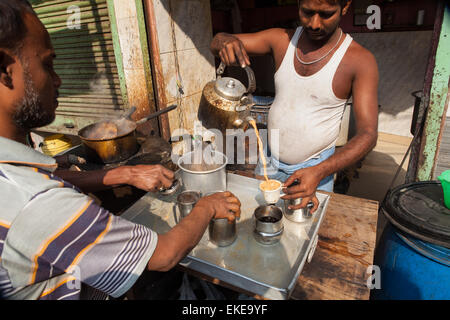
{"points": [[271, 190]]}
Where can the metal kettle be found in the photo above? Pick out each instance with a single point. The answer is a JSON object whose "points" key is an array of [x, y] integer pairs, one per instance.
{"points": [[226, 102]]}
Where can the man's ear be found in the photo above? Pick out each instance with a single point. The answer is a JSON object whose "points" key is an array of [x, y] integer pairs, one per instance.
{"points": [[6, 61], [347, 6]]}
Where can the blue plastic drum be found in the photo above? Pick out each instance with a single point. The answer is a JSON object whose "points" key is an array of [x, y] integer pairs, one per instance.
{"points": [[414, 250]]}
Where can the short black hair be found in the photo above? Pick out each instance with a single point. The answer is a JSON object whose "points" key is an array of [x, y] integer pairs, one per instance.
{"points": [[12, 25], [343, 3]]}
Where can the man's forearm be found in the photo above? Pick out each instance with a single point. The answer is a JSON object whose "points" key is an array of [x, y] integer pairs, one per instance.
{"points": [[180, 240], [92, 181], [358, 147]]}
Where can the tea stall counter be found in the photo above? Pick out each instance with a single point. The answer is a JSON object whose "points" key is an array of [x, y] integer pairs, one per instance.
{"points": [[339, 266]]}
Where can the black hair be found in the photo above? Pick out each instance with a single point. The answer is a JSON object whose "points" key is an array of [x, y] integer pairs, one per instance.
{"points": [[12, 25], [343, 3]]}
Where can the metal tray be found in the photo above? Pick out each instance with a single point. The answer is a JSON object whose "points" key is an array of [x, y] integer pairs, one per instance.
{"points": [[270, 271]]}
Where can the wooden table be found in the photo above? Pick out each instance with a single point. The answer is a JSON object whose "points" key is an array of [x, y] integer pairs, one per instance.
{"points": [[346, 247]]}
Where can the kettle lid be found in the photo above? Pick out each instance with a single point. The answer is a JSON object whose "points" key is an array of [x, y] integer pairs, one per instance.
{"points": [[230, 88]]}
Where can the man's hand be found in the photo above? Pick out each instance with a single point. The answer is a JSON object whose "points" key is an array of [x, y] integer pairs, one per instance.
{"points": [[183, 237], [230, 50], [150, 177], [304, 185], [221, 205]]}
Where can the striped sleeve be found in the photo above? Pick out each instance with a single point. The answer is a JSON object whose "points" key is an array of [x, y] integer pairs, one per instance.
{"points": [[64, 231]]}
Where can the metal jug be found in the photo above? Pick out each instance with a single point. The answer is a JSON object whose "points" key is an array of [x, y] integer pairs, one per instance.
{"points": [[226, 103]]}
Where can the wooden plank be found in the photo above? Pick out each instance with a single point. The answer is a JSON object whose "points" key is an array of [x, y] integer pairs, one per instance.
{"points": [[345, 250]]}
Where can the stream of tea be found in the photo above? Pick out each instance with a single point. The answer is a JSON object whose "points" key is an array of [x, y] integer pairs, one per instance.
{"points": [[261, 148]]}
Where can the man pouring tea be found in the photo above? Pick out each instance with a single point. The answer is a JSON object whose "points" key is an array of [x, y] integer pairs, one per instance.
{"points": [[318, 69]]}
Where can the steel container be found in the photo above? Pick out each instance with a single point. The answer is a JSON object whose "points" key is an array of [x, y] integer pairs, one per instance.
{"points": [[222, 232], [186, 201], [297, 215], [268, 224], [203, 181]]}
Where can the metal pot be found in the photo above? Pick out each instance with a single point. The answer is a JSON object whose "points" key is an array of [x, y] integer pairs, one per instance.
{"points": [[226, 103], [118, 146], [203, 181]]}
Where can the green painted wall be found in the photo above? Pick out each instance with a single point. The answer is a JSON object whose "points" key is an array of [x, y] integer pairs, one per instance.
{"points": [[438, 97]]}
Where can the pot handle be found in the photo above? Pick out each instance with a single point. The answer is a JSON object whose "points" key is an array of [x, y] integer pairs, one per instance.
{"points": [[250, 74], [129, 113], [156, 114]]}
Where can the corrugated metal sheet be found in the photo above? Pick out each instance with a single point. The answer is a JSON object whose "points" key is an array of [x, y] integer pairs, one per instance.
{"points": [[85, 62]]}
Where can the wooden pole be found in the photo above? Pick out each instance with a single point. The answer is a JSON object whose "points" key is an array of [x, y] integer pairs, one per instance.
{"points": [[158, 77]]}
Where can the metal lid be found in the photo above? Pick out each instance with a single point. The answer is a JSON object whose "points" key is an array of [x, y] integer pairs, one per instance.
{"points": [[230, 88], [418, 209]]}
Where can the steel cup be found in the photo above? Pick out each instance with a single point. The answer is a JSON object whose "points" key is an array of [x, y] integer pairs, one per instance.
{"points": [[268, 224], [186, 201], [222, 232], [298, 215]]}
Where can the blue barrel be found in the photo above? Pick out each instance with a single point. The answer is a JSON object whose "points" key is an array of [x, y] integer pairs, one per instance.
{"points": [[413, 253], [411, 269]]}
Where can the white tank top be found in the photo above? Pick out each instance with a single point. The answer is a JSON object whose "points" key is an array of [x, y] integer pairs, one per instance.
{"points": [[305, 109]]}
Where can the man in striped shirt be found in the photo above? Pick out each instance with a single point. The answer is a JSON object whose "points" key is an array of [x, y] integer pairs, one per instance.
{"points": [[55, 242]]}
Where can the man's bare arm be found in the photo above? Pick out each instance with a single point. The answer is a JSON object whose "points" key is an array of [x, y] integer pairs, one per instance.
{"points": [[235, 48], [365, 108], [180, 240], [144, 177]]}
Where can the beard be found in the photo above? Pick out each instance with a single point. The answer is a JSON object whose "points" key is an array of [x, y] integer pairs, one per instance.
{"points": [[30, 112]]}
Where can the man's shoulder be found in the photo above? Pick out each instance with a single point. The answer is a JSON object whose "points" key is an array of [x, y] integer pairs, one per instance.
{"points": [[279, 34], [360, 56]]}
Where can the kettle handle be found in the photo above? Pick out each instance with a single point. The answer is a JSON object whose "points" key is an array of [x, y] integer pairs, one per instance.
{"points": [[251, 80], [250, 74]]}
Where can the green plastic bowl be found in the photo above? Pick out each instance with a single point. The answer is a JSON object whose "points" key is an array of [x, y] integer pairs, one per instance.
{"points": [[445, 181]]}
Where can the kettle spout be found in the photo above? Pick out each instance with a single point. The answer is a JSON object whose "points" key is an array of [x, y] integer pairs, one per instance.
{"points": [[249, 119], [238, 123]]}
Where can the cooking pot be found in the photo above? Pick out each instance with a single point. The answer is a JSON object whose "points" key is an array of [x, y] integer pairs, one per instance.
{"points": [[226, 103], [112, 141]]}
